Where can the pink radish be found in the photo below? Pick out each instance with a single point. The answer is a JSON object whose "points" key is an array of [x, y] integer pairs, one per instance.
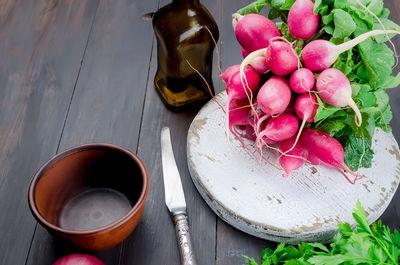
{"points": [[268, 140], [313, 159], [257, 117], [78, 259], [249, 133], [302, 81], [257, 121], [274, 96], [255, 112], [254, 31], [259, 64], [318, 55], [306, 107], [227, 74], [235, 90], [281, 58], [334, 88], [280, 128], [302, 22], [244, 52], [292, 157], [327, 149], [290, 108], [239, 112]]}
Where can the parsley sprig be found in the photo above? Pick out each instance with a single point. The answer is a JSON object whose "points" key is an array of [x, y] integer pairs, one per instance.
{"points": [[374, 244]]}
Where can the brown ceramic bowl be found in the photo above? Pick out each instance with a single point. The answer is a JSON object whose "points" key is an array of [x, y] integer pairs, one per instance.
{"points": [[92, 195]]}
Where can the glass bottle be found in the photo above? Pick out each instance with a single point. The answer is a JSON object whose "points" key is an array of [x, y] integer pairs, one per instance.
{"points": [[183, 45]]}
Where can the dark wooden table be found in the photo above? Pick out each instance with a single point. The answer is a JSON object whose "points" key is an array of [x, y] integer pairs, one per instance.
{"points": [[80, 71]]}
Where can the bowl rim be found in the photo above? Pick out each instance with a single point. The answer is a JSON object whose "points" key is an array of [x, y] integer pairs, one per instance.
{"points": [[80, 148]]}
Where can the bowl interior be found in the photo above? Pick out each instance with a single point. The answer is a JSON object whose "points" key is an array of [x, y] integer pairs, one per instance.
{"points": [[88, 188]]}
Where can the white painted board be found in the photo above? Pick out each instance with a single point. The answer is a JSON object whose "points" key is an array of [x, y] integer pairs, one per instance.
{"points": [[306, 206]]}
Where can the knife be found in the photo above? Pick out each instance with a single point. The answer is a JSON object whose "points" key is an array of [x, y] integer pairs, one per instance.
{"points": [[175, 198]]}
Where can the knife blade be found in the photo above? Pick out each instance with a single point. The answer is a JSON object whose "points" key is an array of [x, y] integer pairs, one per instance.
{"points": [[175, 198]]}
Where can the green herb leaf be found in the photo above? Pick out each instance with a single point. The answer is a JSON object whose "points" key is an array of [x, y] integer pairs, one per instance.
{"points": [[383, 114], [373, 244], [345, 229], [345, 63], [324, 110], [341, 4], [283, 27], [254, 7], [344, 24], [382, 119], [274, 13], [375, 6], [385, 13], [327, 19], [280, 7], [366, 101], [321, 6], [361, 218], [378, 58], [393, 82], [367, 128], [388, 25], [358, 152], [252, 260], [334, 127], [396, 238], [277, 3], [288, 4]]}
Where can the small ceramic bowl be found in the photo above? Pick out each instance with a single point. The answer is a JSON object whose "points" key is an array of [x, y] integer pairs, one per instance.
{"points": [[92, 195]]}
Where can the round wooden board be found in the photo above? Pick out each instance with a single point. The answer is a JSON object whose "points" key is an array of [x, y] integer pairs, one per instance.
{"points": [[306, 206]]}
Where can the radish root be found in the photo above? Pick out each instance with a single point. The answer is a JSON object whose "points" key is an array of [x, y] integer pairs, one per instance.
{"points": [[208, 86], [235, 19], [216, 50], [351, 43]]}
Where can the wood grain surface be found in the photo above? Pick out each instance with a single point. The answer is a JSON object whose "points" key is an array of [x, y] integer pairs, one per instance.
{"points": [[162, 246], [108, 99], [80, 71], [42, 44]]}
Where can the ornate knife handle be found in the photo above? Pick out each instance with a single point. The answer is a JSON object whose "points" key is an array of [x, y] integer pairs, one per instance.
{"points": [[183, 237]]}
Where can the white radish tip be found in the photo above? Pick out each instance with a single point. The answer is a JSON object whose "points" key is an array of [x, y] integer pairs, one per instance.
{"points": [[247, 61], [358, 117], [235, 19]]}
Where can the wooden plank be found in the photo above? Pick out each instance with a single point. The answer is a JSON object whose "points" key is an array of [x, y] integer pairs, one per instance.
{"points": [[232, 243], [393, 93], [41, 46], [154, 241], [108, 100], [391, 216]]}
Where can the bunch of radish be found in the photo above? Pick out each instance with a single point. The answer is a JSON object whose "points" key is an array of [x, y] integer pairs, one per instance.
{"points": [[272, 93]]}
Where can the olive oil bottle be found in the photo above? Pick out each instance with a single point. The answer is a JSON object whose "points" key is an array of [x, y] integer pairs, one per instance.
{"points": [[183, 30]]}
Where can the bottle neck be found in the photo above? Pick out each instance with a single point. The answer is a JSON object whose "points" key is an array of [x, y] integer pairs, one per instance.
{"points": [[186, 2]]}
